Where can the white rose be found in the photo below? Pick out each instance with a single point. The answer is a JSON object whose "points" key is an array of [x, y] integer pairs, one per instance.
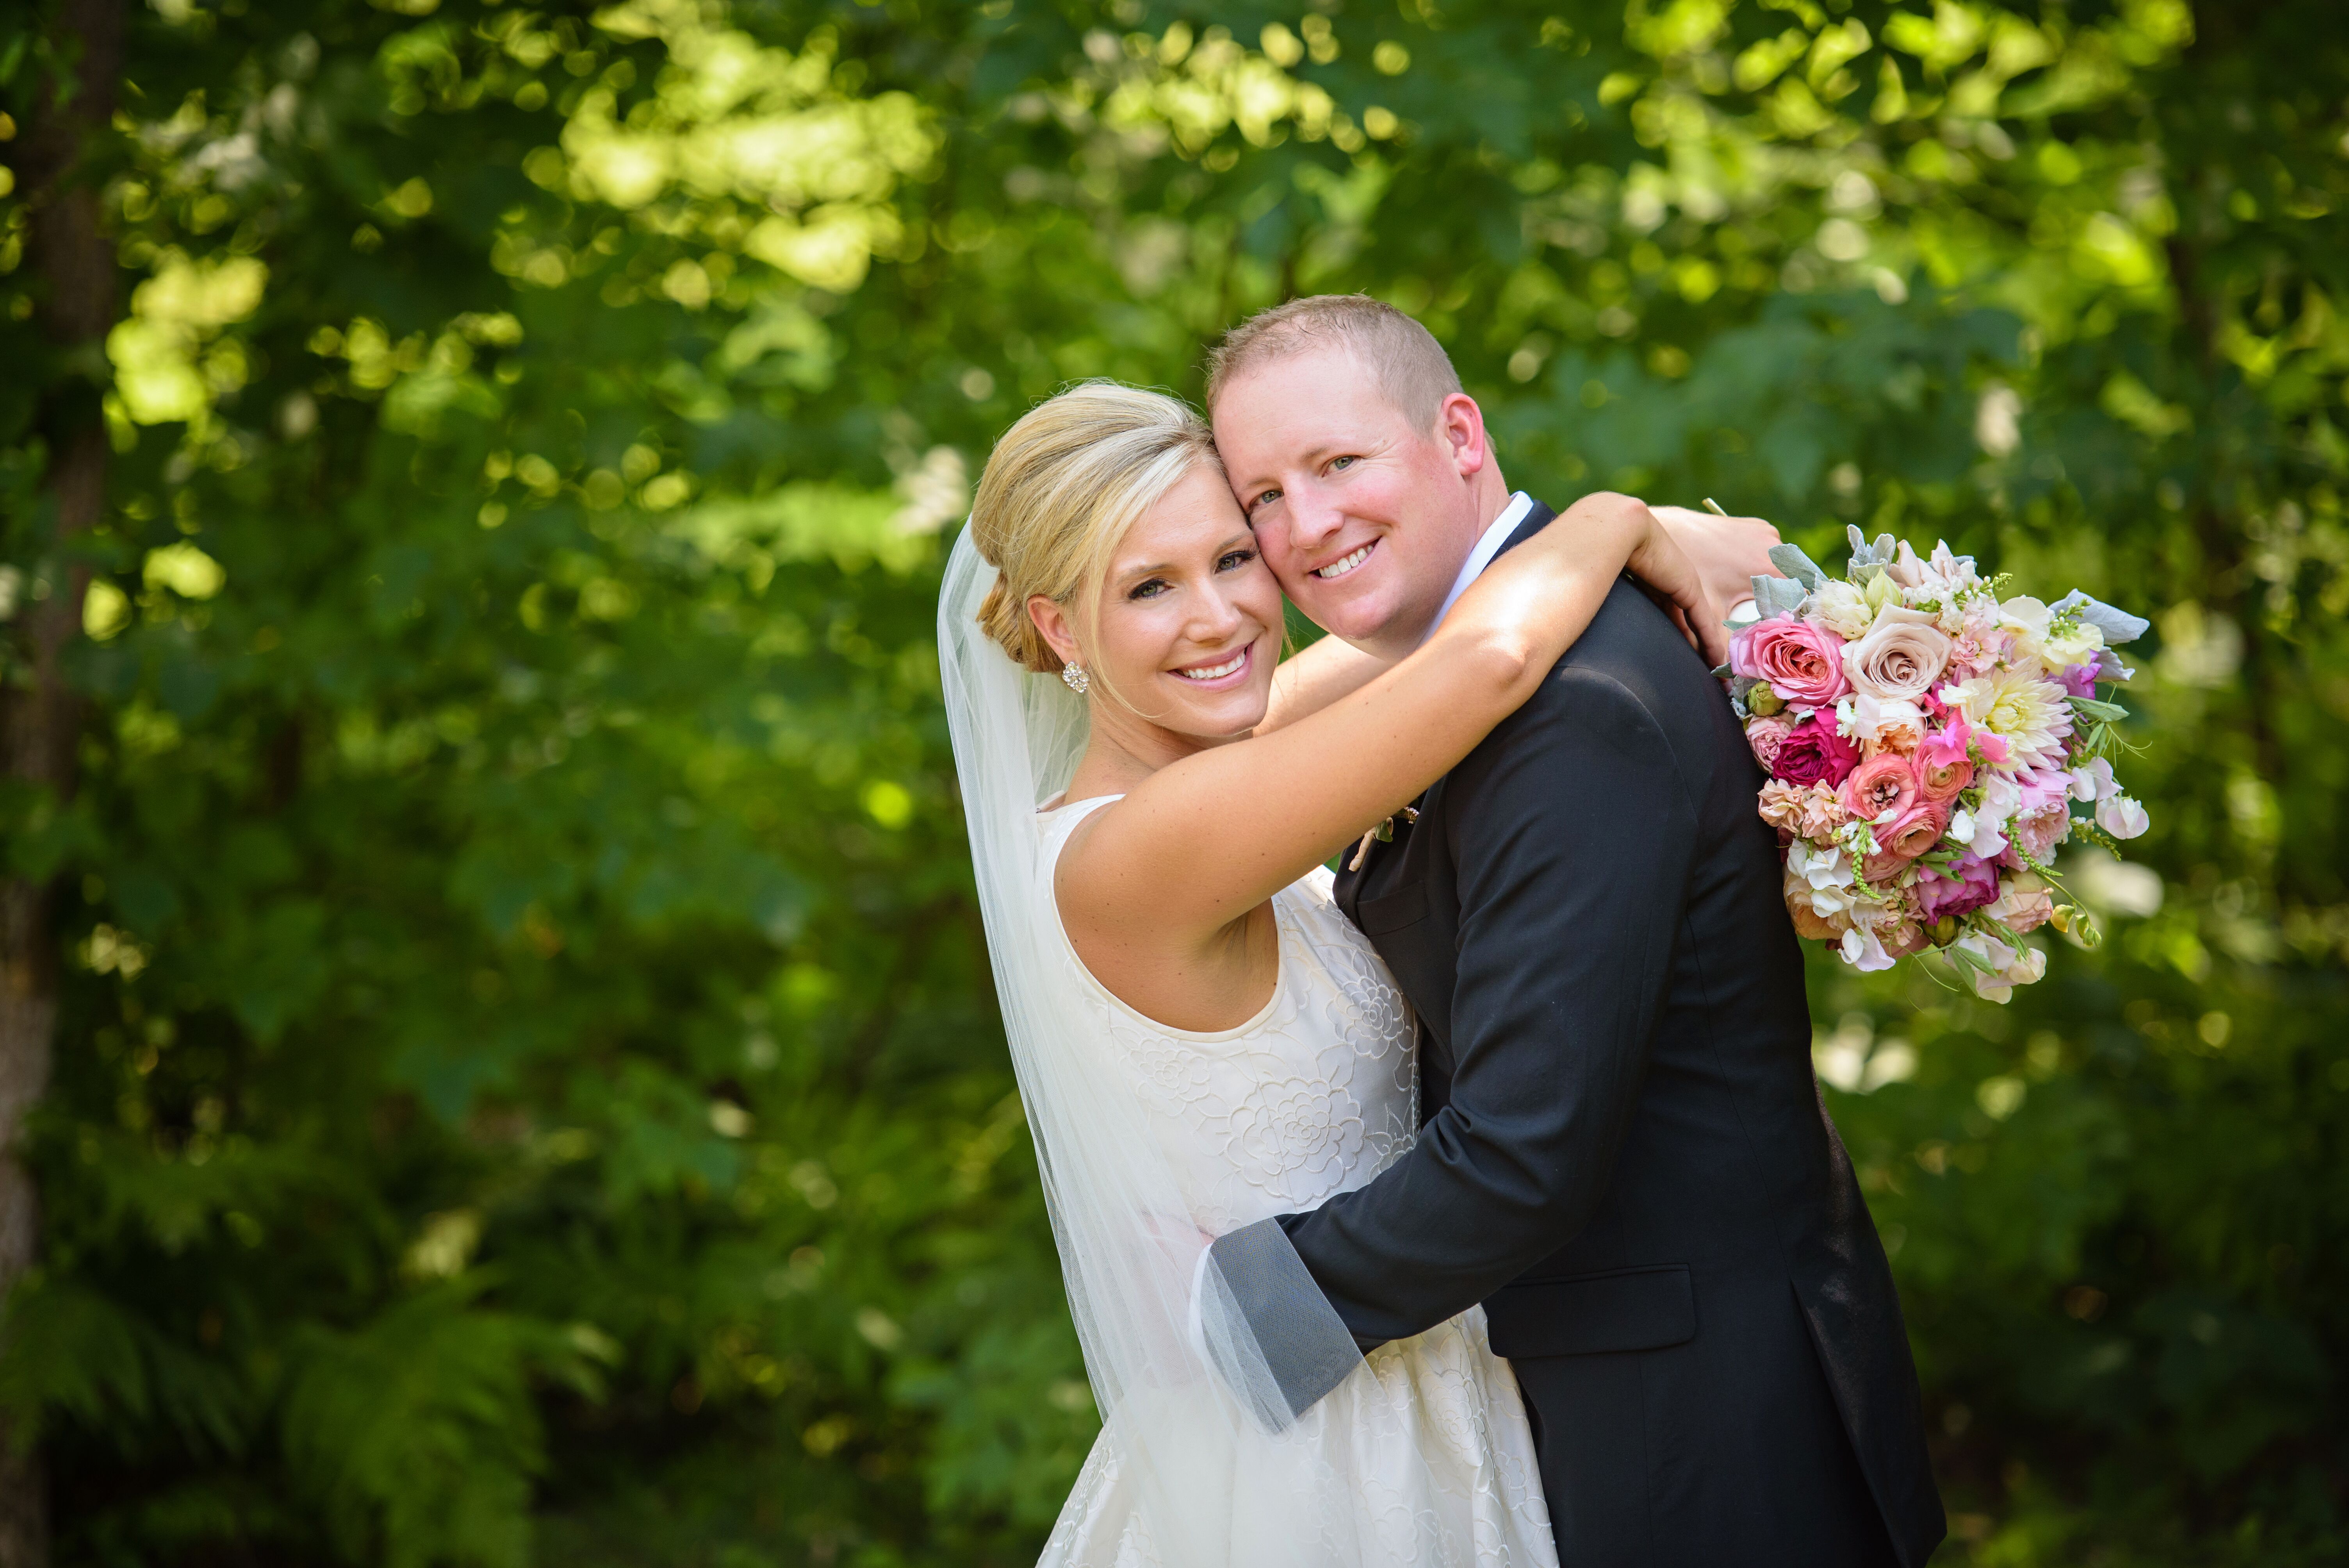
{"points": [[1841, 609]]}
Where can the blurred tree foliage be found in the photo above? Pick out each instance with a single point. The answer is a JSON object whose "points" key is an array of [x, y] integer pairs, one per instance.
{"points": [[524, 1075]]}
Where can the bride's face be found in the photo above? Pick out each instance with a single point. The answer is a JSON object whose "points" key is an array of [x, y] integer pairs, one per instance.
{"points": [[1188, 625]]}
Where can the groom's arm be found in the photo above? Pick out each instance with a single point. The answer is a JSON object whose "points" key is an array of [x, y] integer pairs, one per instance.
{"points": [[1575, 836]]}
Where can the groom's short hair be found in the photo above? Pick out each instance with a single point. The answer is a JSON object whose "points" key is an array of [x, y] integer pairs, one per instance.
{"points": [[1413, 372]]}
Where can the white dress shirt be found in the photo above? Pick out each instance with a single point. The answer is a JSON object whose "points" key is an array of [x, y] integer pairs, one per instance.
{"points": [[1481, 556]]}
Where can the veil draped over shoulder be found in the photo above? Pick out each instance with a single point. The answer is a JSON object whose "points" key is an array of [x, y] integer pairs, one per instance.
{"points": [[1213, 1468]]}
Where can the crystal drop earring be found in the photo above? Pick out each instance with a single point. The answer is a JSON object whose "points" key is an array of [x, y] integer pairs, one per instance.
{"points": [[1075, 677]]}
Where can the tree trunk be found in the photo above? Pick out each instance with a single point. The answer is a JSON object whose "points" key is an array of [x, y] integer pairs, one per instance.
{"points": [[74, 263]]}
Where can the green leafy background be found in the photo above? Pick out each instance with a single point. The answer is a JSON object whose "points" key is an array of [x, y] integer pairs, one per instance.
{"points": [[527, 1088]]}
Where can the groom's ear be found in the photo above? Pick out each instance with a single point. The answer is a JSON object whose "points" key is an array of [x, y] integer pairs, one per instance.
{"points": [[1460, 431]]}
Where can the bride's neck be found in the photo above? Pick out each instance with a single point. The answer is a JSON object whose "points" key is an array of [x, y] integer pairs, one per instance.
{"points": [[1126, 749]]}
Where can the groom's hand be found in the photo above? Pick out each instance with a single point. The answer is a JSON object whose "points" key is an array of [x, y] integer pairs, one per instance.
{"points": [[1729, 551]]}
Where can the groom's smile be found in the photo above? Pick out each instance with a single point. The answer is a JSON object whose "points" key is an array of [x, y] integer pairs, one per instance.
{"points": [[1345, 564]]}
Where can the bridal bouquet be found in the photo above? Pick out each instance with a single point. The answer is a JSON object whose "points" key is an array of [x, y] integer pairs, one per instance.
{"points": [[1927, 741]]}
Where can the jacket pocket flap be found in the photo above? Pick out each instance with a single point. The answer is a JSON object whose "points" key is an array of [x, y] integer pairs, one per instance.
{"points": [[1393, 912], [1626, 1309]]}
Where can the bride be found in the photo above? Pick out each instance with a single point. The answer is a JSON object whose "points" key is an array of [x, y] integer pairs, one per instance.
{"points": [[1201, 1038]]}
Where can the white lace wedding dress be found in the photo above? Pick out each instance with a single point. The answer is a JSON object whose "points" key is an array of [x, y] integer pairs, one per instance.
{"points": [[1312, 1097]]}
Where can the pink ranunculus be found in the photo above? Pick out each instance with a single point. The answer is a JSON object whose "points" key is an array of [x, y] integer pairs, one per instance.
{"points": [[1915, 830], [1964, 885], [1900, 658], [1943, 769], [1879, 785], [2079, 680], [1944, 780], [1803, 663], [1813, 753], [1765, 736]]}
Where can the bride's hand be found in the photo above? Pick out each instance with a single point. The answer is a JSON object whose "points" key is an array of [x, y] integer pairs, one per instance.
{"points": [[1623, 532], [1729, 551]]}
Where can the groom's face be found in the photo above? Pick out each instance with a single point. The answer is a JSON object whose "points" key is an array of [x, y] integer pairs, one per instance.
{"points": [[1365, 517]]}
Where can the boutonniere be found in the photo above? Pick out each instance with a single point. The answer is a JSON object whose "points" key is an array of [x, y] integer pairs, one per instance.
{"points": [[1383, 833]]}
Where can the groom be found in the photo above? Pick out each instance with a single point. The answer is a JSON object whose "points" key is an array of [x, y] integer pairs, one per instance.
{"points": [[1623, 1155]]}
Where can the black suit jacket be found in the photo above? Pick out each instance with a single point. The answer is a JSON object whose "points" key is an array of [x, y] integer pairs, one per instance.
{"points": [[1624, 1154]]}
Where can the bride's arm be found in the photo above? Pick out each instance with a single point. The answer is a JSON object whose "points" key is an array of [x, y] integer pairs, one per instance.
{"points": [[1724, 552], [1201, 842]]}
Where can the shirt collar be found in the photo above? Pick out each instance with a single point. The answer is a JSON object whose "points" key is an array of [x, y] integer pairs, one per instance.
{"points": [[1481, 556]]}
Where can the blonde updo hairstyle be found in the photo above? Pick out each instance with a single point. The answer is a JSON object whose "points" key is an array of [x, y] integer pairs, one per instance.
{"points": [[1061, 489]]}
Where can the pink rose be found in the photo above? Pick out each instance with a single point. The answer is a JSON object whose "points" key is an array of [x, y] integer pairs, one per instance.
{"points": [[1900, 658], [1813, 753], [1765, 736], [1962, 886], [1803, 663], [1881, 784]]}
